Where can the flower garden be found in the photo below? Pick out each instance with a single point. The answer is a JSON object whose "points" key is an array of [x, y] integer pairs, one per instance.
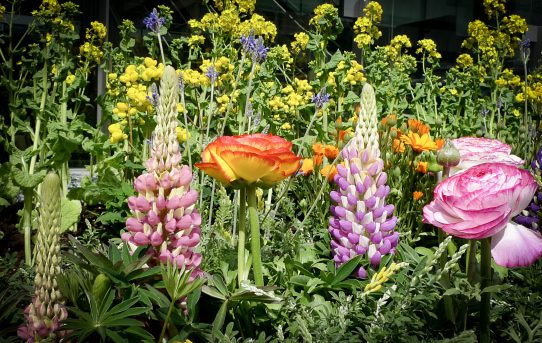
{"points": [[240, 190]]}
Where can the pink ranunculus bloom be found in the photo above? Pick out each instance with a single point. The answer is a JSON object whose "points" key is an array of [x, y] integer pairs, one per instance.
{"points": [[474, 151], [479, 203]]}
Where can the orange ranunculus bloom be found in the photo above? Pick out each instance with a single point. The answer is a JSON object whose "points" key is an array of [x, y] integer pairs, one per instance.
{"points": [[250, 158], [417, 126], [422, 167], [307, 167], [417, 195], [331, 152], [417, 143], [329, 171]]}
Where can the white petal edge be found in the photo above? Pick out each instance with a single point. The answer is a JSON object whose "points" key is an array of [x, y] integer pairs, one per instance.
{"points": [[516, 246]]}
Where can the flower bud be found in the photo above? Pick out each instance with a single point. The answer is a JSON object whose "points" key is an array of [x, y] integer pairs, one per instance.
{"points": [[448, 156]]}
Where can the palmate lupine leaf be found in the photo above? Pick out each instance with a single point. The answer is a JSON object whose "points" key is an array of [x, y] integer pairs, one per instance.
{"points": [[107, 320]]}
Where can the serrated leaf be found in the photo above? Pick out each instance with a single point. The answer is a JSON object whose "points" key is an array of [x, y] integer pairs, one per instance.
{"points": [[22, 179], [70, 212]]}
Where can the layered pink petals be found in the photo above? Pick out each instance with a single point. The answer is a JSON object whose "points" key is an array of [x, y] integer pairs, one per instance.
{"points": [[475, 151], [516, 246], [249, 158], [479, 202]]}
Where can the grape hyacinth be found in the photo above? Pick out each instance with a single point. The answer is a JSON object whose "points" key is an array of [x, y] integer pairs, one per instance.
{"points": [[362, 222], [530, 216], [164, 214], [46, 312]]}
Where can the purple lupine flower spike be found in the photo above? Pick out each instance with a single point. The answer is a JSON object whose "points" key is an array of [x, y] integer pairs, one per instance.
{"points": [[362, 222], [530, 216], [154, 22]]}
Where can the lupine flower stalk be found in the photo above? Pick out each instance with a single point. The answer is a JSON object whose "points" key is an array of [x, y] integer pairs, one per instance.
{"points": [[362, 222], [163, 212], [530, 216], [46, 312]]}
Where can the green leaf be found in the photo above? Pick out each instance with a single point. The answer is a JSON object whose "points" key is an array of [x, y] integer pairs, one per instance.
{"points": [[496, 288], [346, 270], [213, 292], [22, 179], [70, 210], [219, 319], [351, 98]]}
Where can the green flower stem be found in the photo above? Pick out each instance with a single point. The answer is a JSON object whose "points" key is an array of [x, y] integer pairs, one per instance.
{"points": [[254, 234], [485, 267], [241, 239], [162, 334], [27, 224]]}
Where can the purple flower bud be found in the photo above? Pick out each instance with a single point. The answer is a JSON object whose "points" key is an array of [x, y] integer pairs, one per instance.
{"points": [[354, 168], [335, 196], [156, 239], [342, 171], [141, 239], [375, 259], [189, 199], [388, 224], [134, 225], [362, 273]]}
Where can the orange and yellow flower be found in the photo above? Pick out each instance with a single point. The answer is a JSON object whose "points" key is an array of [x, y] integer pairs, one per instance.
{"points": [[417, 195], [417, 126], [307, 167], [421, 167], [331, 152], [419, 143], [329, 172], [246, 159]]}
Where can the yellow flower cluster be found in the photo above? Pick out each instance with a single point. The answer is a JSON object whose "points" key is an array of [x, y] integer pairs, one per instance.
{"points": [[96, 30], [116, 133], [482, 39], [379, 278], [48, 10], [428, 47], [196, 40], [244, 6], [95, 35], [366, 28], [324, 17], [494, 7], [2, 10], [280, 54], [194, 78], [533, 91], [397, 44], [508, 78], [222, 65], [123, 109], [513, 27], [354, 75], [301, 39], [90, 52], [182, 134], [294, 95], [464, 61], [229, 21], [260, 27], [70, 79], [224, 100]]}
